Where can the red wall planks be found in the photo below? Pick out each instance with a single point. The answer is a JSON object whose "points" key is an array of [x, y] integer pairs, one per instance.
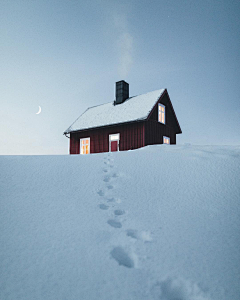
{"points": [[74, 144], [131, 137], [154, 132]]}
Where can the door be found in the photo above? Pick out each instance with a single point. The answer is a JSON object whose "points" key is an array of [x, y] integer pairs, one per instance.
{"points": [[114, 142], [85, 146], [114, 146]]}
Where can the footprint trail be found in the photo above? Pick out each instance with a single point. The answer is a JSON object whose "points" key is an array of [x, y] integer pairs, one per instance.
{"points": [[115, 218], [124, 254]]}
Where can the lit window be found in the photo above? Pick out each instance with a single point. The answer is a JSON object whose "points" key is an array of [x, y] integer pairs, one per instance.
{"points": [[166, 140], [114, 137], [161, 113], [85, 146]]}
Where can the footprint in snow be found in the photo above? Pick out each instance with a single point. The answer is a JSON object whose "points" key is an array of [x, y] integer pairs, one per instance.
{"points": [[110, 187], [106, 179], [117, 200], [119, 212], [114, 223], [101, 193], [111, 199], [103, 206], [179, 289], [122, 257], [108, 164], [132, 233], [145, 236]]}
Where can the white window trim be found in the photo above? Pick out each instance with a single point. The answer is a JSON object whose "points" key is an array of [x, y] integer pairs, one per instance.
{"points": [[114, 137], [84, 139], [168, 138], [159, 104]]}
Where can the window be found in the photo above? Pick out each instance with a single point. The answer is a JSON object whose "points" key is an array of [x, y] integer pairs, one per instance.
{"points": [[161, 113], [114, 137], [166, 140], [85, 146]]}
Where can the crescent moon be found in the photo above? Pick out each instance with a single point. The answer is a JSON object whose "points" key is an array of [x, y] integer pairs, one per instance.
{"points": [[39, 110]]}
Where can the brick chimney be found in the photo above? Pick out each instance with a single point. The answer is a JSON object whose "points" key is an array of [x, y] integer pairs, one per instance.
{"points": [[122, 92]]}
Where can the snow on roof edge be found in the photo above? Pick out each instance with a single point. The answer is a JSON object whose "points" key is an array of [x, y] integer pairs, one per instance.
{"points": [[112, 124], [71, 129]]}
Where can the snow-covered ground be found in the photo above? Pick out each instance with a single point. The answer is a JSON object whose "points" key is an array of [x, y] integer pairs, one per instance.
{"points": [[161, 222]]}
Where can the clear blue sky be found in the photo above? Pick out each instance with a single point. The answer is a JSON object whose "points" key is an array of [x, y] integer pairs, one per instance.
{"points": [[66, 56]]}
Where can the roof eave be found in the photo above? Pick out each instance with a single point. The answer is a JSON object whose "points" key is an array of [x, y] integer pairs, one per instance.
{"points": [[109, 125]]}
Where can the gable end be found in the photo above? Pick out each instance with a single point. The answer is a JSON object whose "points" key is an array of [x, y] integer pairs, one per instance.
{"points": [[171, 118]]}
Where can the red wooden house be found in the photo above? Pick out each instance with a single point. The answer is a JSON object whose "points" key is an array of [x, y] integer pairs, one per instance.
{"points": [[127, 123]]}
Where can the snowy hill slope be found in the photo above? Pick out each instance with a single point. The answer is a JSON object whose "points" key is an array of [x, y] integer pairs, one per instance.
{"points": [[161, 222]]}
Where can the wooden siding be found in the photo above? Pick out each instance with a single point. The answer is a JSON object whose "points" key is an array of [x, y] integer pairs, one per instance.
{"points": [[131, 137], [74, 144], [154, 132], [170, 118]]}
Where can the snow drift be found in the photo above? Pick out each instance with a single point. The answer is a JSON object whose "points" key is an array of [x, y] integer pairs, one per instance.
{"points": [[161, 222]]}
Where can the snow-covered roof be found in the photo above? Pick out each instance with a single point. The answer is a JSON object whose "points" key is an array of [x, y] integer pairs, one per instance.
{"points": [[133, 109]]}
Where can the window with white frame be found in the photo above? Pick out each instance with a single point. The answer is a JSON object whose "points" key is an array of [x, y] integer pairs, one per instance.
{"points": [[161, 113], [85, 146], [114, 137], [166, 140]]}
